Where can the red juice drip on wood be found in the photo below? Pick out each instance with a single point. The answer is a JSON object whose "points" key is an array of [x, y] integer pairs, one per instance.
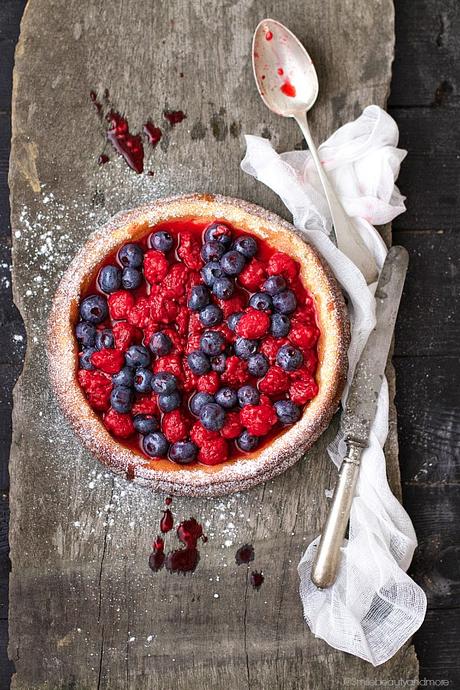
{"points": [[130, 472], [126, 144], [153, 133], [186, 560], [168, 500], [256, 579], [268, 36], [157, 557], [167, 521], [103, 159], [245, 554], [288, 89], [174, 116]]}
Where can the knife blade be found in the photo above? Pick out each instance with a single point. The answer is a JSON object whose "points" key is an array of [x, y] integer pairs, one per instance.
{"points": [[359, 414]]}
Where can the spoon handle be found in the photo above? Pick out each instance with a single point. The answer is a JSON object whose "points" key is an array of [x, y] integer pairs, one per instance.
{"points": [[348, 239]]}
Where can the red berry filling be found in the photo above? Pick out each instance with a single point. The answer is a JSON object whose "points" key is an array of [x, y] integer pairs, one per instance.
{"points": [[142, 326]]}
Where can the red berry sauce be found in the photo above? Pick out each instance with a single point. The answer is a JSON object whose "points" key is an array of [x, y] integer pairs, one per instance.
{"points": [[160, 303], [288, 89]]}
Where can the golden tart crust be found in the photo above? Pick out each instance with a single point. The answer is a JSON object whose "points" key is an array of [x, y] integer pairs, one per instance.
{"points": [[243, 472]]}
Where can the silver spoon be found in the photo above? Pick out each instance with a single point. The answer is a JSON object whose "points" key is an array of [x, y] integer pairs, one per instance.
{"points": [[288, 85]]}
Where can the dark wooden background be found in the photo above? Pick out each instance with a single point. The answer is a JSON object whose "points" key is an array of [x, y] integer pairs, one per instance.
{"points": [[426, 104]]}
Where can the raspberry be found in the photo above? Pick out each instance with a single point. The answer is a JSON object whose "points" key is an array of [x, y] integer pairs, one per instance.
{"points": [[193, 278], [119, 424], [176, 279], [275, 381], [175, 338], [303, 336], [284, 265], [270, 346], [170, 363], [163, 309], [232, 427], [236, 371], [190, 379], [149, 329], [155, 266], [189, 251], [232, 305], [209, 383], [194, 324], [109, 361], [200, 435], [120, 304], [97, 387], [258, 419], [175, 426], [253, 324], [193, 343], [182, 320], [253, 275], [146, 404], [303, 390], [139, 315], [213, 452], [125, 335]]}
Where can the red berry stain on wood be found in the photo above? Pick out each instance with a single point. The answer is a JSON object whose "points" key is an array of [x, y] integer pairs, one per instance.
{"points": [[245, 554], [157, 557], [167, 521], [256, 579], [103, 159], [174, 116], [153, 133], [124, 142]]}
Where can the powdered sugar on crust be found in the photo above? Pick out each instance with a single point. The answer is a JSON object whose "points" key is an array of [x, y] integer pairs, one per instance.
{"points": [[241, 473]]}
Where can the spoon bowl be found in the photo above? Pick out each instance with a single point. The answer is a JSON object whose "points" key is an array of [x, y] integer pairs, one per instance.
{"points": [[284, 72]]}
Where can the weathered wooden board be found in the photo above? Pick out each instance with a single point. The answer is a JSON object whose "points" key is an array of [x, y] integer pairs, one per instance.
{"points": [[86, 611]]}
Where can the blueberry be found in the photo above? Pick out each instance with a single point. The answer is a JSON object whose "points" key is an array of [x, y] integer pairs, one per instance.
{"points": [[274, 285], [125, 377], [85, 358], [199, 298], [121, 399], [211, 271], [162, 241], [155, 445], [287, 412], [261, 301], [248, 395], [227, 398], [198, 400], [94, 309], [233, 319], [145, 423], [85, 334], [246, 245], [109, 279], [160, 344], [247, 441], [131, 278], [164, 382], [218, 363], [131, 255], [232, 263], [183, 452], [212, 343], [211, 315], [244, 347], [198, 362], [143, 380], [289, 358], [105, 339], [223, 288], [167, 402], [258, 365], [212, 417], [285, 302], [137, 356], [212, 251], [219, 232], [280, 325]]}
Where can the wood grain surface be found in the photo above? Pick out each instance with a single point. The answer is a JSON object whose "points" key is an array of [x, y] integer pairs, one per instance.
{"points": [[86, 612]]}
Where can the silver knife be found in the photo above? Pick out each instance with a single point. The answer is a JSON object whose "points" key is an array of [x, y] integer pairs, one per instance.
{"points": [[359, 414]]}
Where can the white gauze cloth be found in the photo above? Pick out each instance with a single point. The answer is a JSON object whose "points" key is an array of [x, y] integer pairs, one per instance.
{"points": [[374, 606]]}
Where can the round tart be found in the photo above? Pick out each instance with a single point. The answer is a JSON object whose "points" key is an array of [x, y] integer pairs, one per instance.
{"points": [[198, 345]]}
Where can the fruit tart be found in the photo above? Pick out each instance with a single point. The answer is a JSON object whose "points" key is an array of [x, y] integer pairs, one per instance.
{"points": [[198, 345]]}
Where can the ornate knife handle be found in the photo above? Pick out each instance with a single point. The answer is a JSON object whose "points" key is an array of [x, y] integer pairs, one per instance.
{"points": [[327, 559]]}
